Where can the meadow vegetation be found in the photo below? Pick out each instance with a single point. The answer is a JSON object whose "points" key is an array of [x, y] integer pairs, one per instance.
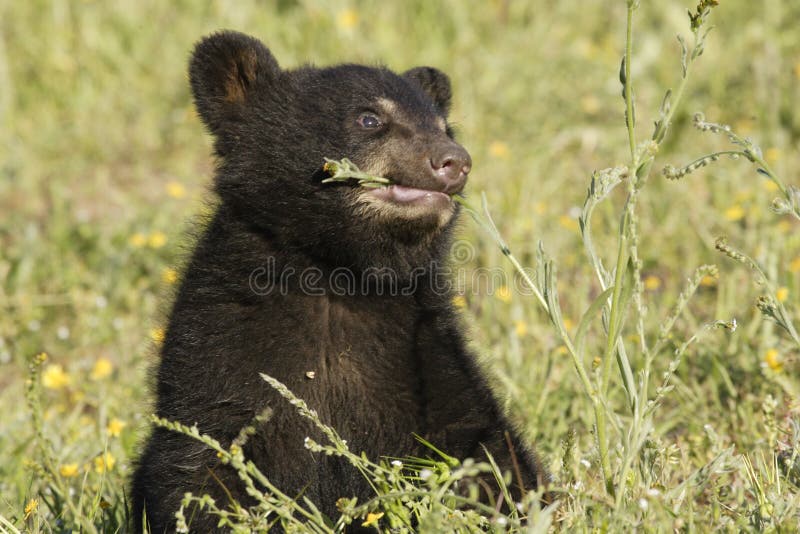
{"points": [[646, 337]]}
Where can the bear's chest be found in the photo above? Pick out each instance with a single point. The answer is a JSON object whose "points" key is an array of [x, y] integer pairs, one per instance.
{"points": [[353, 359]]}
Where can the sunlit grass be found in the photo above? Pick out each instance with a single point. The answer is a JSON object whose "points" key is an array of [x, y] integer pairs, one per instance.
{"points": [[103, 163]]}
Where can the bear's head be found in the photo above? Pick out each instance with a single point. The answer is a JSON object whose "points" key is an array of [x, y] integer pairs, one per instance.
{"points": [[274, 127]]}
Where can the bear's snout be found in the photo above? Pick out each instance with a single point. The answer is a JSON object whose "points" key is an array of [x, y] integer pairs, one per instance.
{"points": [[450, 164]]}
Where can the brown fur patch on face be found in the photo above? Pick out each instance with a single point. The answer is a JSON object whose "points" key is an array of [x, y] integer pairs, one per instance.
{"points": [[240, 76], [377, 165], [388, 106], [391, 108]]}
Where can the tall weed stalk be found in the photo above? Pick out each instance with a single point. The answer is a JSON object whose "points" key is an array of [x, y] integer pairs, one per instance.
{"points": [[620, 297]]}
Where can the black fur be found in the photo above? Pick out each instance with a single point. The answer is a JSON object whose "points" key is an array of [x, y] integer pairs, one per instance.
{"points": [[386, 365]]}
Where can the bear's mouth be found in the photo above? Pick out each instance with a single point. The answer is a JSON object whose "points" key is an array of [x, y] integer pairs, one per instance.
{"points": [[401, 195]]}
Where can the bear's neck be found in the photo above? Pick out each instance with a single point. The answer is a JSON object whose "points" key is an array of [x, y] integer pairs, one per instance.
{"points": [[247, 263]]}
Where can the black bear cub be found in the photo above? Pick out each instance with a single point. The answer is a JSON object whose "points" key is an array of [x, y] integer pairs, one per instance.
{"points": [[333, 289]]}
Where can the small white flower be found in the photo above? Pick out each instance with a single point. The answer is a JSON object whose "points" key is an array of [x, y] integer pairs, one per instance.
{"points": [[62, 333], [653, 492], [397, 463], [586, 463], [425, 474], [502, 521], [643, 504]]}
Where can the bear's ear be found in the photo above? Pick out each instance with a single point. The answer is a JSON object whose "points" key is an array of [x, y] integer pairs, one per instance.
{"points": [[435, 83], [224, 69]]}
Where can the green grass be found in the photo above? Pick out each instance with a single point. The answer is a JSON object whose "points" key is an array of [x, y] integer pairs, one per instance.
{"points": [[103, 165]]}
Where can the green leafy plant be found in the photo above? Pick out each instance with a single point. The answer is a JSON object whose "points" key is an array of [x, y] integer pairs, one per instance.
{"points": [[427, 492], [345, 170]]}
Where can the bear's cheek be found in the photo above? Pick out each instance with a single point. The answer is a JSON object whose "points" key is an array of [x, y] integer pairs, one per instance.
{"points": [[402, 159]]}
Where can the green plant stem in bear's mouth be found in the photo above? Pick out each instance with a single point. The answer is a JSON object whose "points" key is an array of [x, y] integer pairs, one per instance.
{"points": [[345, 170]]}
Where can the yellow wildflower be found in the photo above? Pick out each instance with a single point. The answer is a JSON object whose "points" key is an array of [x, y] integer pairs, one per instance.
{"points": [[652, 282], [596, 361], [782, 294], [169, 275], [503, 294], [459, 301], [744, 126], [772, 360], [68, 470], [772, 154], [770, 186], [568, 323], [499, 149], [708, 281], [54, 377], [115, 426], [157, 335], [138, 240], [562, 349], [157, 239], [175, 189], [586, 48], [31, 507], [372, 519], [102, 369], [794, 265], [590, 104], [734, 213], [521, 328], [347, 19], [104, 462], [568, 222]]}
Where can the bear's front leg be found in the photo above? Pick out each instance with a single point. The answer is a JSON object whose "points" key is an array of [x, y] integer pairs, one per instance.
{"points": [[462, 415]]}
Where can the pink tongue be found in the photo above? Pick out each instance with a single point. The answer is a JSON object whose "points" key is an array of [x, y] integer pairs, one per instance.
{"points": [[408, 194]]}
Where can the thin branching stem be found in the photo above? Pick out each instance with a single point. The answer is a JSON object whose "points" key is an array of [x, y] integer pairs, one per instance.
{"points": [[630, 117]]}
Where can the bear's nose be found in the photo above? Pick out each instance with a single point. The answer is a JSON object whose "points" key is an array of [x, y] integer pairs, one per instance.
{"points": [[451, 167]]}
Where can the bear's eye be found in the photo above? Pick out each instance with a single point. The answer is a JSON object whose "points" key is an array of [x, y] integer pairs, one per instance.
{"points": [[369, 121]]}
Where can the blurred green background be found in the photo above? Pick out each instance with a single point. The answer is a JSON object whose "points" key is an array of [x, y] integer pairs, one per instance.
{"points": [[103, 165]]}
